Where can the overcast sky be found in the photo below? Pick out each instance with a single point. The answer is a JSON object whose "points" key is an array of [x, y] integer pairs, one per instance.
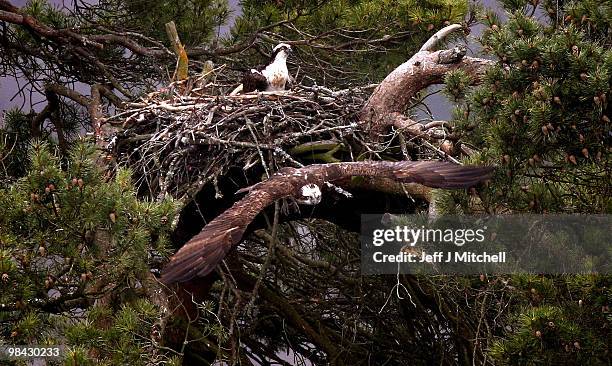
{"points": [[9, 86]]}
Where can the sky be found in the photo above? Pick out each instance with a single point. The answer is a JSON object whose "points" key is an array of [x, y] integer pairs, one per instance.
{"points": [[439, 105], [9, 86]]}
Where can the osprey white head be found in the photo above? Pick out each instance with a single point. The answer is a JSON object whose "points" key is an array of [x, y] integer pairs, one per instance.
{"points": [[281, 51], [311, 194]]}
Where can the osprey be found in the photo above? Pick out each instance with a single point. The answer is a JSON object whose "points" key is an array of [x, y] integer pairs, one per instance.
{"points": [[204, 251], [273, 77]]}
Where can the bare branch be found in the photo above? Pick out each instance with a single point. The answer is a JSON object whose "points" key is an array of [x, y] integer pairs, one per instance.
{"points": [[92, 103], [440, 35], [69, 93], [425, 68]]}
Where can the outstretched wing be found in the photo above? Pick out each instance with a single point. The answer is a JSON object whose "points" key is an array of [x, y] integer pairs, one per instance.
{"points": [[430, 173], [439, 174], [254, 80], [204, 251]]}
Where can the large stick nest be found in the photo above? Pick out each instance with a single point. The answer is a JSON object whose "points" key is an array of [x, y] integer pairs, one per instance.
{"points": [[177, 141]]}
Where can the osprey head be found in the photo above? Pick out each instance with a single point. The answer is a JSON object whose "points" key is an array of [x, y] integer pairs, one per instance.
{"points": [[282, 50], [311, 194]]}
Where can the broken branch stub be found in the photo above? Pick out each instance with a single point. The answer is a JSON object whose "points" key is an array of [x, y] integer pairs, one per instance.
{"points": [[182, 63]]}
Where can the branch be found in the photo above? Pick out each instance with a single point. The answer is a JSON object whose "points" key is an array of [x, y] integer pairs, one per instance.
{"points": [[423, 69], [440, 35], [69, 93], [95, 112], [54, 306], [92, 103], [57, 120], [112, 97], [292, 313], [129, 44], [433, 131], [37, 121], [182, 63], [246, 44], [12, 14]]}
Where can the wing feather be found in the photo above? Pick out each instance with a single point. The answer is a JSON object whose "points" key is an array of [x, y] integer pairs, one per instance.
{"points": [[204, 251], [254, 80], [439, 174], [431, 173]]}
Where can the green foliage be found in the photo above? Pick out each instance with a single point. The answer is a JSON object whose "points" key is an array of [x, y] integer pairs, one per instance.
{"points": [[70, 234], [197, 20], [14, 136], [339, 30], [50, 59], [593, 17], [556, 318], [119, 338], [543, 114], [48, 14], [455, 84], [515, 5]]}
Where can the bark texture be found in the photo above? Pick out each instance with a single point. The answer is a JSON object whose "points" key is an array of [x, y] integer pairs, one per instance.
{"points": [[390, 100]]}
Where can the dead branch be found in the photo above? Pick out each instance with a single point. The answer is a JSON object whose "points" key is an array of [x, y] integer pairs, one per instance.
{"points": [[391, 98], [440, 35], [12, 14], [69, 93]]}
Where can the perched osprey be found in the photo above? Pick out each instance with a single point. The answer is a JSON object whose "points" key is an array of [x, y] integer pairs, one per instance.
{"points": [[204, 251], [273, 77]]}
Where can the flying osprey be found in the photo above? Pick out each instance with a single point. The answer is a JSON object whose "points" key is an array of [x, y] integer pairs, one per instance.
{"points": [[273, 77], [204, 251]]}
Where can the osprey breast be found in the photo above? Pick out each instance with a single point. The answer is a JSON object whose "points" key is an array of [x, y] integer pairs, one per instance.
{"points": [[277, 76]]}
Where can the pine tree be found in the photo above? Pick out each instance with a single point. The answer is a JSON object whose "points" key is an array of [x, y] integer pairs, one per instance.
{"points": [[342, 52], [14, 136], [198, 21], [77, 245], [76, 248], [543, 116]]}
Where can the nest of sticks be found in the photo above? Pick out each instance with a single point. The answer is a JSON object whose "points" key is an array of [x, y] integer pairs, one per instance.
{"points": [[181, 138]]}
